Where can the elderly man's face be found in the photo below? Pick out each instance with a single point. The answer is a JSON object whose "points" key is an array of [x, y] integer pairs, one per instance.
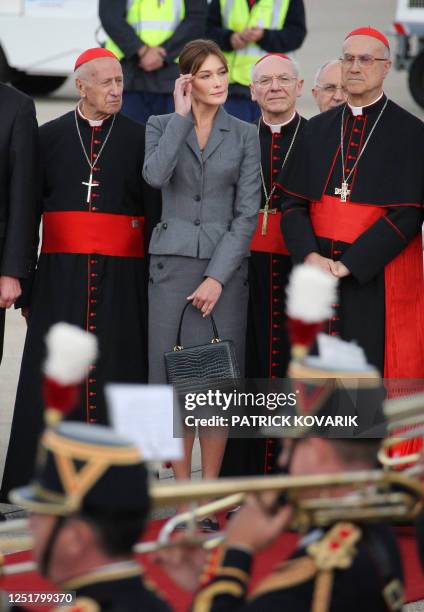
{"points": [[364, 66], [330, 92], [275, 86], [101, 85]]}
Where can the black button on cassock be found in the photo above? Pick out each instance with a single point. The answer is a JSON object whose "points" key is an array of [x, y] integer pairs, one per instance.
{"points": [[164, 225], [197, 222], [197, 198]]}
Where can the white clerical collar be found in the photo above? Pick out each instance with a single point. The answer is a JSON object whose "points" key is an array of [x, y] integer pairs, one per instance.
{"points": [[92, 122], [358, 110], [276, 127]]}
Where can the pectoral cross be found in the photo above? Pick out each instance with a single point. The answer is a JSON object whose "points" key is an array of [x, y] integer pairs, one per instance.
{"points": [[266, 210], [343, 191], [90, 185]]}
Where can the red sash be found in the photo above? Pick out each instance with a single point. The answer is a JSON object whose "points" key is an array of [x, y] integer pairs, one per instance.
{"points": [[404, 286], [273, 241], [93, 233]]}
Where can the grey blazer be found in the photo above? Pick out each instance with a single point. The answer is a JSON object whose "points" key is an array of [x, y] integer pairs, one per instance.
{"points": [[210, 199]]}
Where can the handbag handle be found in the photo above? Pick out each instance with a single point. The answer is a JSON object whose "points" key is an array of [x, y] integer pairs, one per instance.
{"points": [[178, 346]]}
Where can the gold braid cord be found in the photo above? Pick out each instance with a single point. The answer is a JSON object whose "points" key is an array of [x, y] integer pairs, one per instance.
{"points": [[336, 550], [321, 599]]}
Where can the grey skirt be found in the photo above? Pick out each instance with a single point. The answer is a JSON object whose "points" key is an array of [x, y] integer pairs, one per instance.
{"points": [[172, 279]]}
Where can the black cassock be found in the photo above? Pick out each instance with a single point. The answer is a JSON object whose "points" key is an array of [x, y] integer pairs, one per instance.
{"points": [[267, 343], [375, 233], [91, 271]]}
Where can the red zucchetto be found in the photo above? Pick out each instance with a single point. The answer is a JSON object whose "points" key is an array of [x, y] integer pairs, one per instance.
{"points": [[272, 55], [91, 54], [369, 32]]}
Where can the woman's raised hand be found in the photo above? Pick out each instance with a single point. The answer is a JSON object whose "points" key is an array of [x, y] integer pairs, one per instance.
{"points": [[182, 94]]}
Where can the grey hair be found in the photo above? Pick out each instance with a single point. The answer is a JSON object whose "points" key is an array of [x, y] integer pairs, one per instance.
{"points": [[318, 73], [386, 52], [82, 72], [294, 63]]}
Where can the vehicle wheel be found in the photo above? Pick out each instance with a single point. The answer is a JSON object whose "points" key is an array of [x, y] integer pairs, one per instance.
{"points": [[36, 85], [416, 79]]}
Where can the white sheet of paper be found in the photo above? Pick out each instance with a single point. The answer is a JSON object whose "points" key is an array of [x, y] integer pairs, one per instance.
{"points": [[337, 354], [144, 415]]}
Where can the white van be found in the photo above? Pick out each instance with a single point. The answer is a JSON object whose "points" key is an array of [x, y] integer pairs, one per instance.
{"points": [[40, 39]]}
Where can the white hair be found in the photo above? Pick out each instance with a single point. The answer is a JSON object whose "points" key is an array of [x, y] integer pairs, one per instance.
{"points": [[386, 52], [82, 72], [294, 63], [318, 73]]}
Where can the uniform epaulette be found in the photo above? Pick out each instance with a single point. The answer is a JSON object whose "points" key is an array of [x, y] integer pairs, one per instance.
{"points": [[337, 549], [81, 604]]}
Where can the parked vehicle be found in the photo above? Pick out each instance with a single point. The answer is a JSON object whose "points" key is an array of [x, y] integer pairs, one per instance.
{"points": [[409, 30], [39, 40]]}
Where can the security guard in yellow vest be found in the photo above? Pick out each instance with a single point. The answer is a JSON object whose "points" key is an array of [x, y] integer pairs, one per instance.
{"points": [[147, 36], [248, 29]]}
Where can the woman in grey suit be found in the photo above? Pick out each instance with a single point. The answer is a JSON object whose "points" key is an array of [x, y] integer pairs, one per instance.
{"points": [[206, 163]]}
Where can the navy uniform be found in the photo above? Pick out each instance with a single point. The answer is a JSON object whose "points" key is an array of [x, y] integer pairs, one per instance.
{"points": [[345, 568], [118, 587], [89, 472]]}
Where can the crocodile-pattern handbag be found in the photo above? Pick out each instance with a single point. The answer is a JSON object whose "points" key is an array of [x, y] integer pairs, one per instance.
{"points": [[196, 369]]}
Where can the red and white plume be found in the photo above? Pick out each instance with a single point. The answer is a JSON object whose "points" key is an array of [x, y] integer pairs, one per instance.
{"points": [[311, 294], [70, 352]]}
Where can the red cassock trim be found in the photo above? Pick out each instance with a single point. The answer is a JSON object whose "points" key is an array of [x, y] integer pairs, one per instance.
{"points": [[273, 241], [404, 287], [89, 233]]}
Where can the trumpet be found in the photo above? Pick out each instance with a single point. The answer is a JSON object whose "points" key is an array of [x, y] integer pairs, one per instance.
{"points": [[406, 414], [371, 495]]}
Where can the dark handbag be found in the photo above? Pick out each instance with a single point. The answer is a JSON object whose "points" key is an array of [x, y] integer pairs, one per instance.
{"points": [[196, 369]]}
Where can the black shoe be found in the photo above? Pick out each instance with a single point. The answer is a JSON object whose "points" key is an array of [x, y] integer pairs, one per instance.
{"points": [[208, 525]]}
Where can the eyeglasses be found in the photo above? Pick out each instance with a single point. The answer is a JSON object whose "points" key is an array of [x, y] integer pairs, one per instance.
{"points": [[364, 61], [282, 80], [331, 89]]}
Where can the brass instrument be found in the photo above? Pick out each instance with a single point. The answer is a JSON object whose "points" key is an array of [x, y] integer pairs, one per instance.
{"points": [[365, 496], [405, 412]]}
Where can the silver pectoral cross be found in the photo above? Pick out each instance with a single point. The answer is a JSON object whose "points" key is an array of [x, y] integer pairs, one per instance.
{"points": [[343, 191], [90, 185]]}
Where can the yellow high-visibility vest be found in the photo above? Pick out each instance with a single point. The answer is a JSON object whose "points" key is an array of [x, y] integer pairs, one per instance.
{"points": [[154, 21], [235, 15]]}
